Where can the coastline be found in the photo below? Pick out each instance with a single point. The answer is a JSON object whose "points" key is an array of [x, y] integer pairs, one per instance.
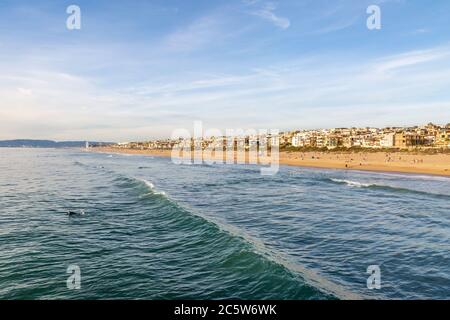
{"points": [[392, 162]]}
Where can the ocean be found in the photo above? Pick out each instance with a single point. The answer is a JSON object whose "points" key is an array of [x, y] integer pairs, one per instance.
{"points": [[155, 230]]}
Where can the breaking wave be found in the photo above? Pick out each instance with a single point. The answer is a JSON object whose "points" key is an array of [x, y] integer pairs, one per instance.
{"points": [[374, 186]]}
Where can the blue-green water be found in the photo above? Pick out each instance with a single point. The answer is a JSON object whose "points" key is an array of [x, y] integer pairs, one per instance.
{"points": [[155, 230]]}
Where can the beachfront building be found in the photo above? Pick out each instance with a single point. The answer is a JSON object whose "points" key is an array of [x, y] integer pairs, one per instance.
{"points": [[302, 139], [273, 141], [387, 141], [371, 142], [408, 139], [333, 141], [443, 138], [427, 136]]}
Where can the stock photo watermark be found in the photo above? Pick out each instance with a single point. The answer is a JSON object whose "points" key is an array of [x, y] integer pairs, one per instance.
{"points": [[73, 21], [234, 146], [374, 280], [73, 282], [374, 20]]}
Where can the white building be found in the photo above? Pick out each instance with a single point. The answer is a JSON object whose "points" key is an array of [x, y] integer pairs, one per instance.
{"points": [[301, 139], [387, 141]]}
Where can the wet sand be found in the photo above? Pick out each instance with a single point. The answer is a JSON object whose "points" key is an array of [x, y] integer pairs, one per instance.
{"points": [[403, 162]]}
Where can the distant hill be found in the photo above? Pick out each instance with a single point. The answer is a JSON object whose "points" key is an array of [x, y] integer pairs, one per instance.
{"points": [[28, 143]]}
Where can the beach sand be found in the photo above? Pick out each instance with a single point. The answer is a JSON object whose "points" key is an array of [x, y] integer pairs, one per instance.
{"points": [[403, 162]]}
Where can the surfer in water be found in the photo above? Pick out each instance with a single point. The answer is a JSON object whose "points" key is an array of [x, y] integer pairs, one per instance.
{"points": [[73, 213]]}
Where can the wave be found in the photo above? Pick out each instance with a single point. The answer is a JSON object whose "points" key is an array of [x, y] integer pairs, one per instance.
{"points": [[353, 183], [94, 167], [309, 276], [151, 187], [356, 184], [414, 176]]}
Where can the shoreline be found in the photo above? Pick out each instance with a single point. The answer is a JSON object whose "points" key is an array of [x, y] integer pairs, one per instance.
{"points": [[387, 162]]}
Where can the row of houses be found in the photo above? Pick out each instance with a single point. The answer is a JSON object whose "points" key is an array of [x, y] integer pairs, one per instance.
{"points": [[427, 136], [431, 136]]}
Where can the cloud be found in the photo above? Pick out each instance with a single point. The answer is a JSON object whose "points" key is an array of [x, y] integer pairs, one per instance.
{"points": [[289, 94], [194, 36], [421, 31], [336, 26], [216, 27], [408, 59], [25, 92], [267, 12]]}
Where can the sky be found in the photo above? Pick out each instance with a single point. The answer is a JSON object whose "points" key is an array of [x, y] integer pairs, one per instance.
{"points": [[140, 69]]}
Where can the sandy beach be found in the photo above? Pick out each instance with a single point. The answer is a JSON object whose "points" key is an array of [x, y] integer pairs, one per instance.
{"points": [[402, 162]]}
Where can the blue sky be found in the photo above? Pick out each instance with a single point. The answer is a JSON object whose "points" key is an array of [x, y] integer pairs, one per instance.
{"points": [[141, 69]]}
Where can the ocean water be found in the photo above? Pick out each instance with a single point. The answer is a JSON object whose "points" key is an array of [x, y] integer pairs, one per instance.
{"points": [[156, 230]]}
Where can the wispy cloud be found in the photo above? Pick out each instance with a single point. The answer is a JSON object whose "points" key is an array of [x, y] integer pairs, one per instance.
{"points": [[421, 31], [267, 12], [393, 63], [215, 63], [290, 94], [195, 35]]}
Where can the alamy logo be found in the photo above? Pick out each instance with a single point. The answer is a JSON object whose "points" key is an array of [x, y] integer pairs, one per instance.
{"points": [[234, 146], [374, 280], [73, 22], [374, 20], [74, 280]]}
